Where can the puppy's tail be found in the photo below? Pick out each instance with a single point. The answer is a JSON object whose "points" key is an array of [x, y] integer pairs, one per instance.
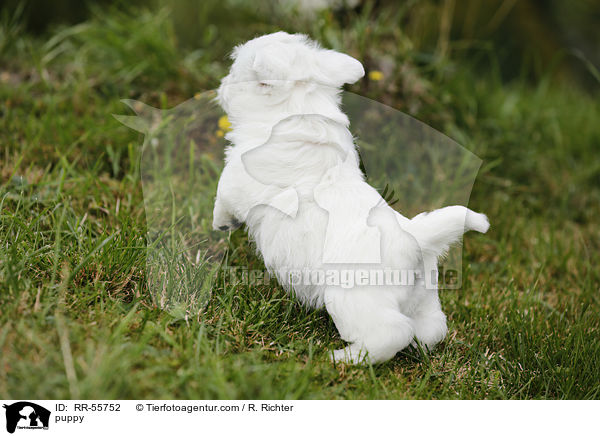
{"points": [[437, 231]]}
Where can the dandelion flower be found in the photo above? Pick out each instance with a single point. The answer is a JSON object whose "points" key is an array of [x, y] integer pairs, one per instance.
{"points": [[224, 123], [375, 75]]}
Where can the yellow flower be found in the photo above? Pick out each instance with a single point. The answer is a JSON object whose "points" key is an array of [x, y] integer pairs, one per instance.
{"points": [[220, 133], [224, 123], [375, 75], [198, 95]]}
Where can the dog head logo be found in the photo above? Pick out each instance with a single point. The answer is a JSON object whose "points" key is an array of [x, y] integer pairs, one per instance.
{"points": [[26, 415]]}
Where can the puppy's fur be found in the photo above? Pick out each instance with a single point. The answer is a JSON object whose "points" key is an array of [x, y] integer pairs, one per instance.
{"points": [[282, 96]]}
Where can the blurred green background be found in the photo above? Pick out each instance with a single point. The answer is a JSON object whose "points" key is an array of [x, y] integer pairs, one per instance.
{"points": [[528, 36], [515, 81]]}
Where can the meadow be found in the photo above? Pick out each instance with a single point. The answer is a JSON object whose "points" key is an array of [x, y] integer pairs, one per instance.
{"points": [[77, 318]]}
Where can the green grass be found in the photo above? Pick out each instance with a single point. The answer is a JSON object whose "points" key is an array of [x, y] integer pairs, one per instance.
{"points": [[77, 319]]}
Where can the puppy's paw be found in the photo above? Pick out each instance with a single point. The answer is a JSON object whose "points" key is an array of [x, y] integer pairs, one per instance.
{"points": [[232, 224], [477, 221], [222, 219], [350, 355]]}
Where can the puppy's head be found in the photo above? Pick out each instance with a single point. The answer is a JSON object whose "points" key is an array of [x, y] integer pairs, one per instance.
{"points": [[283, 73]]}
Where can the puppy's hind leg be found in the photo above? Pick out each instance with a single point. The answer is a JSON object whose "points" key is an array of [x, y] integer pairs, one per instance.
{"points": [[370, 322], [429, 321]]}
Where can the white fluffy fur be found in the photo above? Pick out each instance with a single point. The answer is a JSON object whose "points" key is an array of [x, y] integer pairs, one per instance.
{"points": [[282, 97]]}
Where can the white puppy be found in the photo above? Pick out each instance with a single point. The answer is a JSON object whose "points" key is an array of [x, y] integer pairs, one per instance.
{"points": [[292, 176]]}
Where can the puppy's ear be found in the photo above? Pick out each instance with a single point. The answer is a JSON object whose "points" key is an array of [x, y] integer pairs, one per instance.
{"points": [[273, 62], [335, 69]]}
